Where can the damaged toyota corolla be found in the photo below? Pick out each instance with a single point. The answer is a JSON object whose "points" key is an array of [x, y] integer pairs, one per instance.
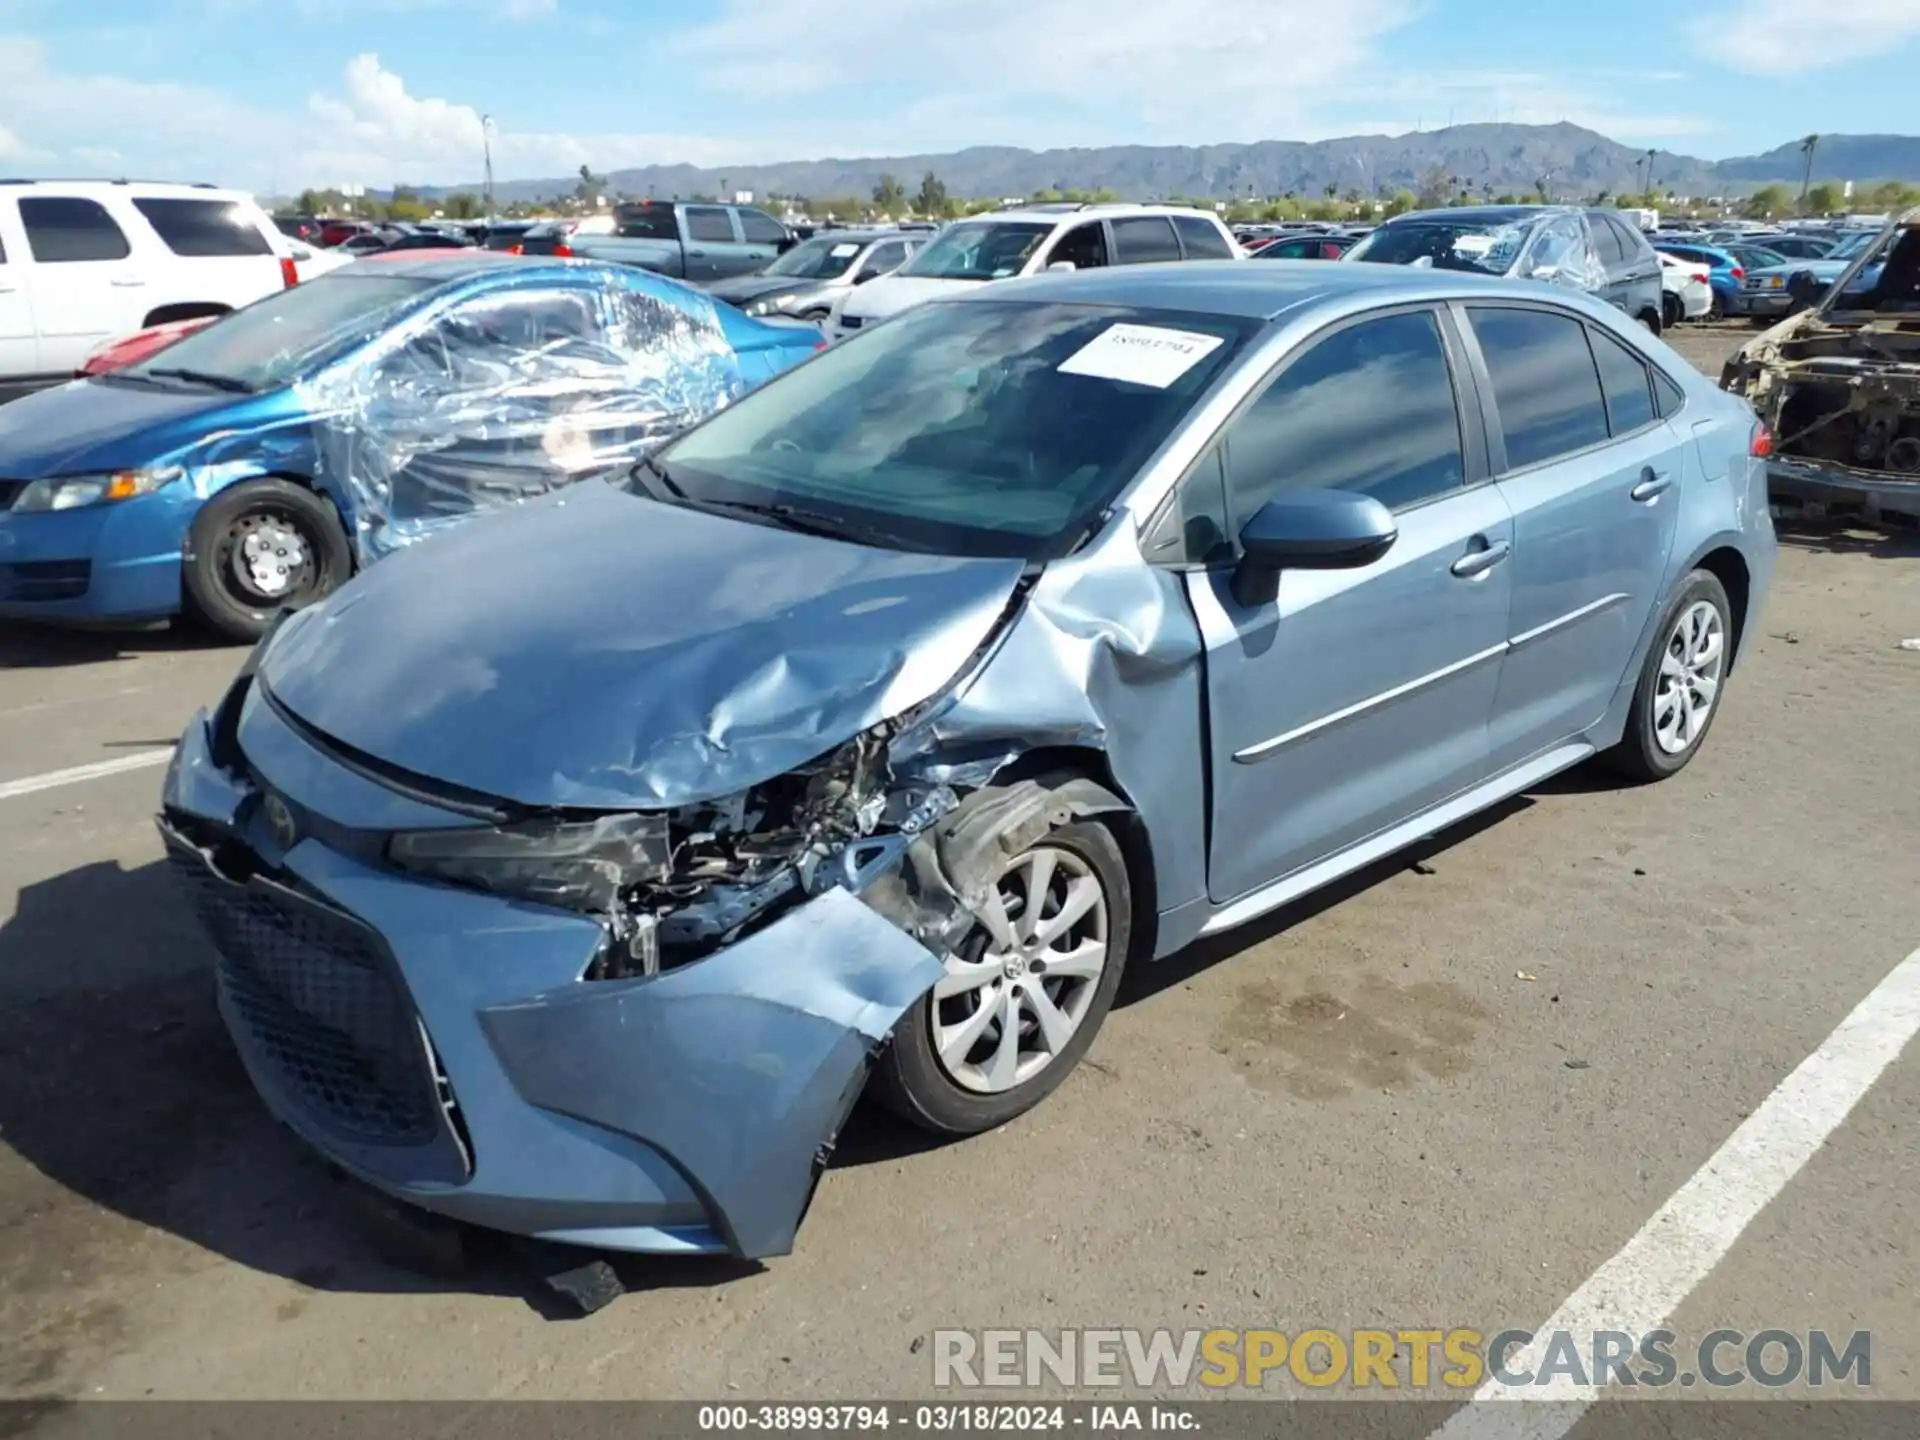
{"points": [[1839, 385], [575, 874]]}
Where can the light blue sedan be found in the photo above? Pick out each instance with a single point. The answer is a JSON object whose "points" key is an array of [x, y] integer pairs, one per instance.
{"points": [[575, 873]]}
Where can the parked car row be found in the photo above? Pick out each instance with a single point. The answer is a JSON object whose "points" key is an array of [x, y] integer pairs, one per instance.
{"points": [[574, 871]]}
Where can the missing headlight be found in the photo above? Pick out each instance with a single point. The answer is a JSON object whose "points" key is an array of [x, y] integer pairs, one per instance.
{"points": [[575, 865]]}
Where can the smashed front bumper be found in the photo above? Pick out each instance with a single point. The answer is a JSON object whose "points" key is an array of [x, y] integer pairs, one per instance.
{"points": [[442, 1045]]}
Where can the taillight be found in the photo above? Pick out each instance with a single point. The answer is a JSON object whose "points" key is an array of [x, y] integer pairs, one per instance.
{"points": [[562, 249], [1738, 273], [821, 343], [1761, 445], [516, 250], [289, 273]]}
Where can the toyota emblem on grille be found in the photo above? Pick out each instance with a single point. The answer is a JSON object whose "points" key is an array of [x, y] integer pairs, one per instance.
{"points": [[280, 821]]}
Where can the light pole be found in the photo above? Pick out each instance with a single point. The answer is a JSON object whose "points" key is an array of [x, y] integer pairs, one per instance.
{"points": [[486, 149]]}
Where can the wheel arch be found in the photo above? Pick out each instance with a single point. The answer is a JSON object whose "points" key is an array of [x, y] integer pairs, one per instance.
{"points": [[1727, 565]]}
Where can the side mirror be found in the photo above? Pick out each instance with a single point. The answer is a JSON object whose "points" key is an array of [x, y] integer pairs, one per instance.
{"points": [[865, 275], [1063, 265], [1309, 530]]}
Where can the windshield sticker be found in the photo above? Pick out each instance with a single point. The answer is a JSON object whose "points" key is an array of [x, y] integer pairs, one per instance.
{"points": [[1472, 244], [1141, 354], [841, 252]]}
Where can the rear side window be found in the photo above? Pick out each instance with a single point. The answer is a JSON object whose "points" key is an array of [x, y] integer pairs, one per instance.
{"points": [[1544, 382], [1624, 380], [63, 229], [646, 222], [1318, 426], [1143, 239], [761, 228], [204, 227], [1633, 240], [708, 222], [1203, 240], [1606, 240]]}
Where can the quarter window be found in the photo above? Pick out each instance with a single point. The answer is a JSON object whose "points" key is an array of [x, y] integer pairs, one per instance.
{"points": [[62, 229], [1143, 239], [708, 222], [1544, 382], [1322, 426], [203, 228], [1623, 377]]}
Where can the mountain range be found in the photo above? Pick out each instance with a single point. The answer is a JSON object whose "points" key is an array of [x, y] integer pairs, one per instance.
{"points": [[1487, 159]]}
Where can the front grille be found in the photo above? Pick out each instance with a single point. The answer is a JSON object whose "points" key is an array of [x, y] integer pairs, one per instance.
{"points": [[45, 579], [321, 1009]]}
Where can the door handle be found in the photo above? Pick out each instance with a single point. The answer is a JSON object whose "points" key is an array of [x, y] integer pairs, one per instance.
{"points": [[1478, 562], [1653, 484], [126, 282], [697, 254]]}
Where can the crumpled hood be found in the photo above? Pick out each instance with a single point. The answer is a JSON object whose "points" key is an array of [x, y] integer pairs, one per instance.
{"points": [[747, 288], [87, 425], [598, 649], [890, 294]]}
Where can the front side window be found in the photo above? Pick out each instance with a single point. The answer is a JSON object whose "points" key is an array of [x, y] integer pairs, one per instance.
{"points": [[63, 229], [1370, 408], [1545, 385], [1144, 240], [710, 223], [885, 258], [1202, 238], [1084, 247], [760, 228], [204, 228], [970, 428], [983, 250]]}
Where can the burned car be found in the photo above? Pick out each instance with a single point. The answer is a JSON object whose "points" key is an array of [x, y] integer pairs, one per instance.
{"points": [[574, 874], [1839, 385]]}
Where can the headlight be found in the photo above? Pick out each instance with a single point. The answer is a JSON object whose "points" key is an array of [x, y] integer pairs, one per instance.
{"points": [[71, 492], [575, 865]]}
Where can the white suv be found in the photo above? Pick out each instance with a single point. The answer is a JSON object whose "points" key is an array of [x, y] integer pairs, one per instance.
{"points": [[86, 261], [1030, 239]]}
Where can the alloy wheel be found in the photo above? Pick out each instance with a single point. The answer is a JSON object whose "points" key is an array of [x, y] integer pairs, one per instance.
{"points": [[1690, 674], [1013, 1000]]}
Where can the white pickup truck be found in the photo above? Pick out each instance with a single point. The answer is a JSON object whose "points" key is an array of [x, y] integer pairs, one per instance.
{"points": [[86, 261]]}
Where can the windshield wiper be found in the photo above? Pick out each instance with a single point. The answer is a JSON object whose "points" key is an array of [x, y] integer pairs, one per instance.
{"points": [[204, 377], [659, 471], [810, 522]]}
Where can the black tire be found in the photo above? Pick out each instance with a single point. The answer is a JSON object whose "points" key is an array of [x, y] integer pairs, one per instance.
{"points": [[218, 596], [1639, 756], [1651, 319], [1717, 310], [909, 1078], [1671, 311]]}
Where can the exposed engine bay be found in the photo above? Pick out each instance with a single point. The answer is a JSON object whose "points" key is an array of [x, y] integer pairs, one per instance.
{"points": [[1839, 385]]}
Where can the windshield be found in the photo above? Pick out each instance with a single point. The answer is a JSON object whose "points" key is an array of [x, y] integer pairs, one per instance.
{"points": [[1852, 245], [1487, 246], [274, 341], [1750, 258], [989, 250], [824, 258], [997, 428]]}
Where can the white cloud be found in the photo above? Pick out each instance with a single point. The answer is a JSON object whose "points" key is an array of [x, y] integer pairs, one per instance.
{"points": [[1265, 62], [12, 147], [1788, 37]]}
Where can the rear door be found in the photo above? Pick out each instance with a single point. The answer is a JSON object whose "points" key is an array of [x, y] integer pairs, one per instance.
{"points": [[710, 241], [1358, 697], [1591, 473], [19, 347], [84, 284], [1613, 256], [761, 240], [216, 250]]}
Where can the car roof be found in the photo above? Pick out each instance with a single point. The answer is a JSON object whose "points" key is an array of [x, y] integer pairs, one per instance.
{"points": [[158, 189], [1250, 292], [1481, 214], [862, 235], [1066, 212], [444, 267]]}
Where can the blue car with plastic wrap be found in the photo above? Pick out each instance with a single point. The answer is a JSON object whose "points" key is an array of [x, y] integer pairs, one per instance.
{"points": [[257, 464]]}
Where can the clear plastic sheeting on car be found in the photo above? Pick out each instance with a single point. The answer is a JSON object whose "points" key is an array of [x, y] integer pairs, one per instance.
{"points": [[1563, 253], [487, 400]]}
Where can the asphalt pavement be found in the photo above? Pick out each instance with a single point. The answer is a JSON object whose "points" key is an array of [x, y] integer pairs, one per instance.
{"points": [[1447, 1094]]}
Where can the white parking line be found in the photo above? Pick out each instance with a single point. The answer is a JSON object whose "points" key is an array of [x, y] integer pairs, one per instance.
{"points": [[139, 760], [1660, 1266]]}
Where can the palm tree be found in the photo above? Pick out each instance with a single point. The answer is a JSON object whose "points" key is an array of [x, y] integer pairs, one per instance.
{"points": [[1647, 188], [1807, 147]]}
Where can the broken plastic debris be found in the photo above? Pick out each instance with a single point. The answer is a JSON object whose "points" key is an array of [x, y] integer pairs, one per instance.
{"points": [[1913, 644], [1523, 975]]}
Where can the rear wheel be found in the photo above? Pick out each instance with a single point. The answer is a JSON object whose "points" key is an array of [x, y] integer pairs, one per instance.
{"points": [[258, 547], [1679, 689], [1651, 319], [1024, 994], [1671, 311]]}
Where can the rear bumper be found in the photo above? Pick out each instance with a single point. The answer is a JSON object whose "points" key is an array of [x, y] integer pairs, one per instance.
{"points": [[442, 1045]]}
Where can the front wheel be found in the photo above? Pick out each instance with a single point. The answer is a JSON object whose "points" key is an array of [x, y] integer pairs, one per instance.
{"points": [[258, 547], [1024, 995], [1679, 689]]}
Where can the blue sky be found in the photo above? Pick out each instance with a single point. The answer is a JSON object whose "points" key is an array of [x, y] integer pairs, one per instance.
{"points": [[276, 94]]}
